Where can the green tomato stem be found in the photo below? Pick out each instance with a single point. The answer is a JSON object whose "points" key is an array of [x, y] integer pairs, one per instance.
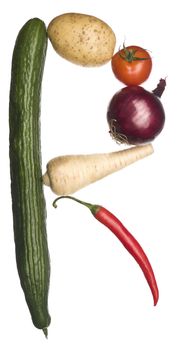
{"points": [[129, 55]]}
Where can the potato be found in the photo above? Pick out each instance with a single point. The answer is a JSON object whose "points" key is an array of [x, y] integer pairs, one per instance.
{"points": [[82, 39]]}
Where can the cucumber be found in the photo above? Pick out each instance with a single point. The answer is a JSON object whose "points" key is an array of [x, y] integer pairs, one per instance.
{"points": [[28, 202]]}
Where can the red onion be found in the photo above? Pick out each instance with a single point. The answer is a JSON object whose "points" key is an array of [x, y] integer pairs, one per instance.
{"points": [[136, 115]]}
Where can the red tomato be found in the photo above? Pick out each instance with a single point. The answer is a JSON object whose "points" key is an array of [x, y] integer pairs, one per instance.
{"points": [[132, 65]]}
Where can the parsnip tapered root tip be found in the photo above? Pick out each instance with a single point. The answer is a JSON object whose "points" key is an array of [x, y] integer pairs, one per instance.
{"points": [[67, 174]]}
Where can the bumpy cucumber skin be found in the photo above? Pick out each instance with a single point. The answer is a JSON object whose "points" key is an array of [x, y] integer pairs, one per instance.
{"points": [[28, 202]]}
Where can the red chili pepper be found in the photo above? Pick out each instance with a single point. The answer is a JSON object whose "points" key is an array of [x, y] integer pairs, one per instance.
{"points": [[126, 238]]}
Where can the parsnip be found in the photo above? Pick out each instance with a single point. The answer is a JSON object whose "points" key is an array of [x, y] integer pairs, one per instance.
{"points": [[68, 174]]}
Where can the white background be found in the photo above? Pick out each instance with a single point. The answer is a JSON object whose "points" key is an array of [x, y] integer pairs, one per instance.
{"points": [[98, 297]]}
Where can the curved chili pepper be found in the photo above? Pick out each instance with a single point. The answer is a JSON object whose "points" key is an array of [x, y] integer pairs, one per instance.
{"points": [[126, 238]]}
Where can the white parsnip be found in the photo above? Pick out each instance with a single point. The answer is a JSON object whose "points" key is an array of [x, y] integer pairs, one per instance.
{"points": [[68, 174]]}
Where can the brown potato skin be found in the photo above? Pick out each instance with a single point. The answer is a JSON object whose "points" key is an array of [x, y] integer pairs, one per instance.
{"points": [[82, 39]]}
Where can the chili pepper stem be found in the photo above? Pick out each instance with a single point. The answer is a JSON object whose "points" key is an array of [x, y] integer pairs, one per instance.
{"points": [[93, 207]]}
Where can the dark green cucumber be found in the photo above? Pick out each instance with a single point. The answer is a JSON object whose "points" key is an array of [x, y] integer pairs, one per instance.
{"points": [[28, 202]]}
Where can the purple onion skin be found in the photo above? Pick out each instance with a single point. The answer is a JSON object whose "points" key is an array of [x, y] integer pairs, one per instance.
{"points": [[135, 115]]}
